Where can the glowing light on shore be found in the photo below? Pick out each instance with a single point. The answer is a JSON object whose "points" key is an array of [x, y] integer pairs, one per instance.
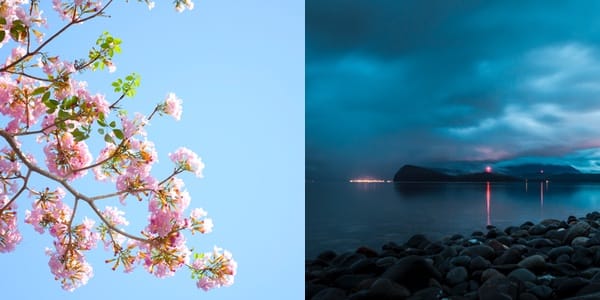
{"points": [[488, 169], [369, 181]]}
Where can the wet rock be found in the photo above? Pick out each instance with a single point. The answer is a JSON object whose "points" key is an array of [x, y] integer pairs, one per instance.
{"points": [[350, 281], [491, 273], [583, 257], [312, 289], [484, 251], [563, 269], [558, 251], [510, 256], [479, 263], [542, 291], [498, 288], [580, 241], [428, 293], [570, 286], [327, 255], [593, 241], [556, 234], [538, 229], [540, 243], [418, 241], [413, 272], [367, 252], [330, 294], [462, 260], [347, 259], [384, 288], [364, 266], [591, 288], [497, 245], [580, 228], [551, 223], [386, 262], [522, 274], [527, 296], [534, 262], [457, 275], [564, 258]]}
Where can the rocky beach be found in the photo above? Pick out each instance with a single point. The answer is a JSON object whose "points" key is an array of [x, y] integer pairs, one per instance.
{"points": [[553, 259]]}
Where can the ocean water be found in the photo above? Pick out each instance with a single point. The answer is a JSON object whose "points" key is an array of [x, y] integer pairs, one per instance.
{"points": [[342, 216]]}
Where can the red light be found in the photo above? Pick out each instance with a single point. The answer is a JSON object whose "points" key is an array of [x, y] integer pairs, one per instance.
{"points": [[488, 169]]}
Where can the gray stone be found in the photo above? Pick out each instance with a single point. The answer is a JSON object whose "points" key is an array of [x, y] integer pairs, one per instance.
{"points": [[550, 222], [570, 286], [413, 272], [541, 291], [522, 274], [479, 263], [491, 273], [580, 241], [538, 229], [510, 256], [556, 234], [558, 251], [428, 293], [484, 251], [347, 259], [330, 294], [386, 262], [582, 258], [350, 281], [462, 260], [384, 288], [527, 296], [534, 262], [580, 228], [540, 243], [457, 275], [498, 288], [362, 266]]}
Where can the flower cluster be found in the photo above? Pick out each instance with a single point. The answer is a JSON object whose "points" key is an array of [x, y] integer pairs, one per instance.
{"points": [[187, 160], [66, 157], [214, 269], [171, 106], [67, 261], [40, 97], [9, 233]]}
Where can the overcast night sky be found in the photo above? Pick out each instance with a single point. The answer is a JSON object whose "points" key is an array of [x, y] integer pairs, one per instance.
{"points": [[428, 82]]}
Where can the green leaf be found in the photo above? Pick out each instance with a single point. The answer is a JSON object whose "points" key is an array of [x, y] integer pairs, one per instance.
{"points": [[2, 21], [2, 35], [108, 138], [63, 115], [39, 90], [101, 131], [113, 124], [69, 102], [45, 98], [118, 133]]}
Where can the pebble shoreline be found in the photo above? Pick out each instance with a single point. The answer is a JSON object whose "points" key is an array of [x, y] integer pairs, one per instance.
{"points": [[553, 259]]}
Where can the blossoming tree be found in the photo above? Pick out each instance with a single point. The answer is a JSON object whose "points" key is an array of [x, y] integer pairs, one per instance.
{"points": [[40, 97]]}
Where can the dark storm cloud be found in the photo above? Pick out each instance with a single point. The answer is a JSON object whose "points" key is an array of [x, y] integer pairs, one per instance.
{"points": [[393, 82]]}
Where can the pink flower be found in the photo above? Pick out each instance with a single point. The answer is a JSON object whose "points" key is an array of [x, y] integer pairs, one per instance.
{"points": [[187, 160], [67, 157], [216, 269], [172, 106], [135, 182], [9, 233]]}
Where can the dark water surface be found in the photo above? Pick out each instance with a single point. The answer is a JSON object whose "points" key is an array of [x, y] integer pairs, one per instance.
{"points": [[342, 216]]}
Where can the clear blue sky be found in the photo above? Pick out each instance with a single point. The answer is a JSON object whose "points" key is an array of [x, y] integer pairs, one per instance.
{"points": [[239, 68]]}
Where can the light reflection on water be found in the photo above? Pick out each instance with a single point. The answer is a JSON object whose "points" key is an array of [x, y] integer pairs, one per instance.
{"points": [[342, 216]]}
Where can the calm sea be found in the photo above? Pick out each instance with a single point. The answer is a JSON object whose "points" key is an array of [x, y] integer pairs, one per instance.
{"points": [[342, 216]]}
